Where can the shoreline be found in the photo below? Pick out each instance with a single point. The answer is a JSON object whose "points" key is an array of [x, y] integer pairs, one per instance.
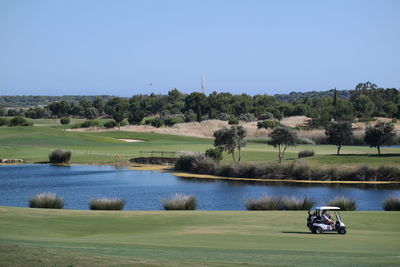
{"points": [[169, 169]]}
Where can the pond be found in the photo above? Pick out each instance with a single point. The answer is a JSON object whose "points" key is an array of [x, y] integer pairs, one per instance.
{"points": [[143, 189]]}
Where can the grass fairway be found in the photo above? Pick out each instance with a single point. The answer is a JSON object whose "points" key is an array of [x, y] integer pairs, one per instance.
{"points": [[33, 144], [193, 238]]}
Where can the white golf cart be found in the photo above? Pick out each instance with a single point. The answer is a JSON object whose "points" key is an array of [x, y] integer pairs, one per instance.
{"points": [[321, 221]]}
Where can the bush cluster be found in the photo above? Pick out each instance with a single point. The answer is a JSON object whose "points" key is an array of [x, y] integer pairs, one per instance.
{"points": [[343, 203], [106, 204], [46, 201], [59, 156], [292, 171], [180, 202], [306, 153], [16, 121], [279, 203], [392, 204]]}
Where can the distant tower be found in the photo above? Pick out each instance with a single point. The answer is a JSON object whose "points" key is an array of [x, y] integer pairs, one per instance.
{"points": [[202, 84]]}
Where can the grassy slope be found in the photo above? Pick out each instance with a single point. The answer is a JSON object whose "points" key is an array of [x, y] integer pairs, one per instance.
{"points": [[33, 144], [65, 237]]}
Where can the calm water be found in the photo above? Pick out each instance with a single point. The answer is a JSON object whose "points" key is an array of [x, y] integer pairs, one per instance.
{"points": [[143, 189]]}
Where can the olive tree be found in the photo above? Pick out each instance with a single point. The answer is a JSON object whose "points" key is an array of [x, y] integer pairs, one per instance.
{"points": [[380, 134], [230, 140], [282, 137], [65, 121], [339, 133]]}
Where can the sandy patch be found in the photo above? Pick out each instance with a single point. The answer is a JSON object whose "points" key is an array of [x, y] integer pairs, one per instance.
{"points": [[131, 140]]}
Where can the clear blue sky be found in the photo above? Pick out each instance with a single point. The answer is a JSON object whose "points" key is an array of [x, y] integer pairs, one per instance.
{"points": [[53, 47]]}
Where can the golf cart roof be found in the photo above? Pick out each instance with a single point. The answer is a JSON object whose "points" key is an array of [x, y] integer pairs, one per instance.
{"points": [[327, 208]]}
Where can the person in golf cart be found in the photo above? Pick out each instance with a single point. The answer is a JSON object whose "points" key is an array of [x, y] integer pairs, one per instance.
{"points": [[327, 218]]}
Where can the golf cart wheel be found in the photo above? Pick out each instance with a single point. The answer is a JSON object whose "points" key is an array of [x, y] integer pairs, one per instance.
{"points": [[342, 231], [318, 230]]}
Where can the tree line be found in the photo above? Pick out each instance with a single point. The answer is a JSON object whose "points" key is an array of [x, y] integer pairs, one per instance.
{"points": [[365, 101]]}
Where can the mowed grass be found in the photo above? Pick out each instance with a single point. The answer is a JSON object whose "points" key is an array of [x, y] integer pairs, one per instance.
{"points": [[37, 237], [33, 144]]}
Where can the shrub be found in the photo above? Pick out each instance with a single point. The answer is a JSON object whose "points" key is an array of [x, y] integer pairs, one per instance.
{"points": [[266, 116], [247, 117], [106, 204], [86, 124], [264, 203], [156, 122], [214, 154], [187, 162], [224, 116], [20, 121], [306, 153], [233, 121], [392, 204], [4, 122], [46, 201], [170, 121], [59, 156], [293, 203], [280, 203], [180, 202], [110, 124], [268, 124], [343, 203]]}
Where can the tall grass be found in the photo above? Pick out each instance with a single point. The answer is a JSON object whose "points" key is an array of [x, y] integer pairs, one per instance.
{"points": [[296, 170], [279, 203], [294, 203], [180, 202], [59, 156], [264, 203], [392, 204], [106, 204], [46, 201], [343, 203]]}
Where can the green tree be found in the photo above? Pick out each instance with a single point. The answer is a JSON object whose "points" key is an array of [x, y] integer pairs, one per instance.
{"points": [[99, 104], [380, 134], [230, 140], [343, 111], [282, 137], [198, 103], [268, 124], [339, 133], [65, 121], [364, 106]]}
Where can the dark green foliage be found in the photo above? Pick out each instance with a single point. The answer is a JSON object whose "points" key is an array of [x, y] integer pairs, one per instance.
{"points": [[196, 162], [230, 140], [106, 204], [65, 121], [156, 122], [46, 201], [392, 204], [233, 121], [59, 156], [190, 116], [380, 134], [282, 137], [4, 121], [180, 202], [268, 124], [87, 124], [20, 121], [215, 154], [135, 118], [339, 133], [110, 124], [306, 153], [343, 203]]}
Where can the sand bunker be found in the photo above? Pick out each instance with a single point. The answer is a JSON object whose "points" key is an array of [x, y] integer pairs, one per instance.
{"points": [[131, 140]]}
